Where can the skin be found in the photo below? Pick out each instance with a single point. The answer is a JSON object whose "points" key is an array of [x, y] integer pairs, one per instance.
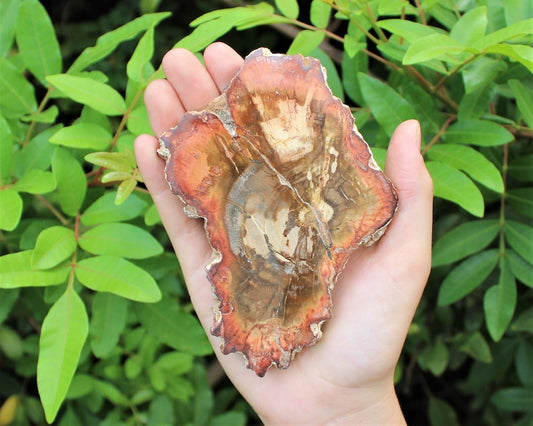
{"points": [[347, 378]]}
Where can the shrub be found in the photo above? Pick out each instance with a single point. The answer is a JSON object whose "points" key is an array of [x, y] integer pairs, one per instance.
{"points": [[82, 246]]}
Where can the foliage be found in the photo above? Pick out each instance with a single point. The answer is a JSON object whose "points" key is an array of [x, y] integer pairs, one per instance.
{"points": [[83, 247]]}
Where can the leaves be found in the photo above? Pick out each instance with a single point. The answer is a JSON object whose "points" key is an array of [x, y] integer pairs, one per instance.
{"points": [[16, 271], [524, 101], [63, 334], [477, 132], [288, 8], [520, 237], [107, 322], [514, 399], [305, 42], [466, 239], [10, 209], [500, 302], [173, 326], [37, 41], [450, 184], [120, 239], [388, 114], [431, 47], [470, 161], [54, 245], [465, 277], [117, 276], [319, 13], [83, 135], [71, 181], [85, 90], [104, 210]]}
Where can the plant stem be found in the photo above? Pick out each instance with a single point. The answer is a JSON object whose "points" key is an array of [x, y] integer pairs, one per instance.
{"points": [[40, 109], [64, 221], [441, 131], [421, 12]]}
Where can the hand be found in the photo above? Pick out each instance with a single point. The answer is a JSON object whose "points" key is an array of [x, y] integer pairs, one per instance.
{"points": [[347, 377]]}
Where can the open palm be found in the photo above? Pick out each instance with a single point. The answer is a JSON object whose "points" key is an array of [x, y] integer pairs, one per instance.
{"points": [[348, 375]]}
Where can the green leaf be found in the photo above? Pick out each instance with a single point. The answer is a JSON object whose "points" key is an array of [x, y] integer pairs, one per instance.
{"points": [[36, 40], [16, 271], [408, 30], [512, 31], [6, 151], [524, 322], [451, 184], [477, 132], [476, 346], [83, 135], [80, 386], [481, 73], [475, 104], [470, 161], [471, 26], [332, 76], [388, 107], [18, 95], [499, 303], [465, 277], [47, 116], [522, 270], [8, 298], [118, 276], [36, 155], [107, 322], [120, 161], [108, 42], [514, 399], [151, 217], [524, 363], [435, 357], [63, 334], [288, 8], [320, 13], [71, 181], [120, 239], [431, 47], [464, 240], [521, 200], [517, 10], [521, 168], [124, 190], [441, 413], [524, 101], [235, 418], [518, 52], [53, 246], [305, 42], [215, 24], [180, 330], [36, 182], [104, 210], [138, 67], [10, 209], [8, 18], [85, 90], [520, 237], [111, 393]]}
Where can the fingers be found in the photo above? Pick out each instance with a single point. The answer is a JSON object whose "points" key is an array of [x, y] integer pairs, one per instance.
{"points": [[409, 234], [222, 63]]}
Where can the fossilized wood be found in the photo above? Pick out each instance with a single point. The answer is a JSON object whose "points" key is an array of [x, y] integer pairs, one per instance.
{"points": [[288, 189]]}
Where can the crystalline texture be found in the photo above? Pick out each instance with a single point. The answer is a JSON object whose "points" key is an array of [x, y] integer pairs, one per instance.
{"points": [[288, 189]]}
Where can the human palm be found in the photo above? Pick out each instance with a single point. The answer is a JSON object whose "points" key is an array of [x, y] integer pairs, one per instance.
{"points": [[348, 375]]}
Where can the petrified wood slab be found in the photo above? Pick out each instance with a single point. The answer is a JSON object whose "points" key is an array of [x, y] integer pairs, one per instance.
{"points": [[288, 189]]}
